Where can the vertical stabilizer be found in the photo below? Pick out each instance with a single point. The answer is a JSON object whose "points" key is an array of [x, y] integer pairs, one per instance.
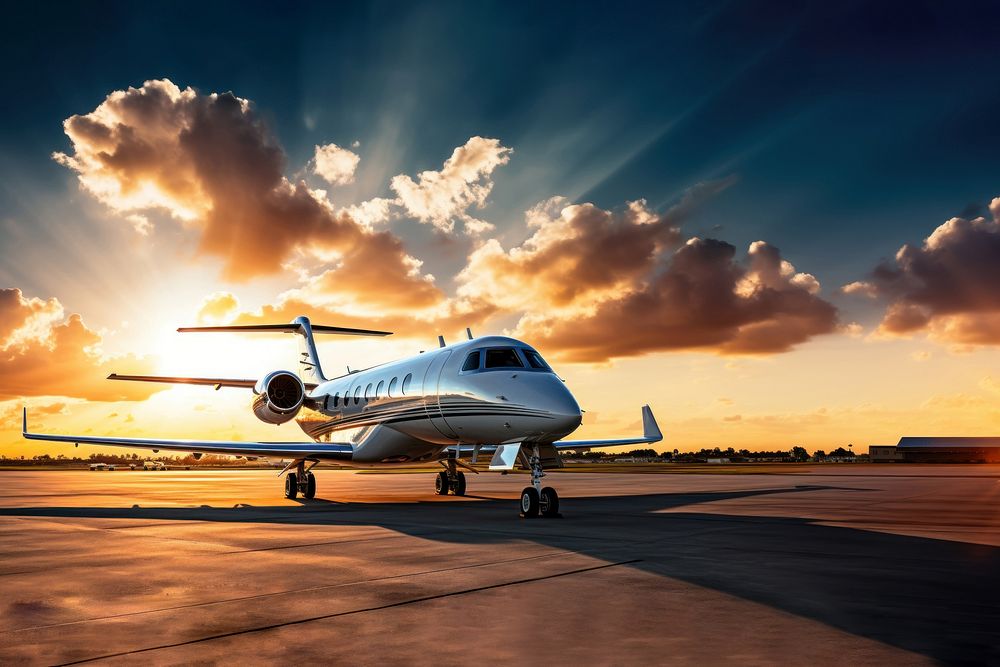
{"points": [[310, 369]]}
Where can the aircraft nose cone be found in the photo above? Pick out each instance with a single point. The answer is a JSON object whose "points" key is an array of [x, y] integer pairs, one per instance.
{"points": [[565, 412]]}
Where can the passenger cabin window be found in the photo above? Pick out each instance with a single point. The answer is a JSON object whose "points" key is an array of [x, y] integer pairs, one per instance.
{"points": [[379, 388], [392, 386], [535, 360], [368, 392], [332, 401], [406, 383], [504, 357], [357, 394], [471, 362]]}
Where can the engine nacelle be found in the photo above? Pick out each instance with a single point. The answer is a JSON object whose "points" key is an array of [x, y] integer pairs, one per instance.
{"points": [[279, 397]]}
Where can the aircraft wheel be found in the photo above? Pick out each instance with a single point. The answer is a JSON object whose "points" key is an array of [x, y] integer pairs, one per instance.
{"points": [[291, 486], [548, 502], [310, 491], [441, 483], [529, 502], [459, 487]]}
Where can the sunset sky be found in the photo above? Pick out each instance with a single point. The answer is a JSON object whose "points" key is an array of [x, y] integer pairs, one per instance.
{"points": [[777, 225]]}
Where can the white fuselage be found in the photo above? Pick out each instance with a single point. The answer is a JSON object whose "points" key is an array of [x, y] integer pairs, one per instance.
{"points": [[407, 411]]}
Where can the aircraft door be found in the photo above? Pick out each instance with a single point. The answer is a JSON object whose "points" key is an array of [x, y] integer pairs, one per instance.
{"points": [[432, 395]]}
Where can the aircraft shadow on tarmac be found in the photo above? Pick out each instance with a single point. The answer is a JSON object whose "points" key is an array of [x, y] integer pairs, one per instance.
{"points": [[935, 597]]}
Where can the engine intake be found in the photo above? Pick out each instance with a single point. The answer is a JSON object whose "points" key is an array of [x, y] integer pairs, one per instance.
{"points": [[279, 397]]}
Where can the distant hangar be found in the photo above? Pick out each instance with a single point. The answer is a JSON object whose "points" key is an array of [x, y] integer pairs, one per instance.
{"points": [[938, 450]]}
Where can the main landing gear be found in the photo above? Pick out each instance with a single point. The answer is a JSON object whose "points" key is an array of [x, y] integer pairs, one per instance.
{"points": [[537, 500], [451, 479], [301, 481]]}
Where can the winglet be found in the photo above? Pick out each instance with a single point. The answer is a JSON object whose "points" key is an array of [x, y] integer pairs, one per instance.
{"points": [[24, 420], [650, 430]]}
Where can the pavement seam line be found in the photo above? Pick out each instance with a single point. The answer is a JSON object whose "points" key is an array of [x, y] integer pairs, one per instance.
{"points": [[322, 617]]}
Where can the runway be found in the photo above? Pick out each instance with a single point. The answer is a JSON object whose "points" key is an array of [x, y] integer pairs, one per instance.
{"points": [[831, 564]]}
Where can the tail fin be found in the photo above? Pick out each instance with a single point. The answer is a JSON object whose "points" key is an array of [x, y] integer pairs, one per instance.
{"points": [[310, 369]]}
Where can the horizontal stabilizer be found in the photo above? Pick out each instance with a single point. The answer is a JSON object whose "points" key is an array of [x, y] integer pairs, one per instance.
{"points": [[288, 328], [213, 382]]}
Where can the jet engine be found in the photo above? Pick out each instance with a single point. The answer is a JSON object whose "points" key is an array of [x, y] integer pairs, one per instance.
{"points": [[279, 397]]}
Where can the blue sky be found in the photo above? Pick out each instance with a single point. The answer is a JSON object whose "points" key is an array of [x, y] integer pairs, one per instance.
{"points": [[851, 127]]}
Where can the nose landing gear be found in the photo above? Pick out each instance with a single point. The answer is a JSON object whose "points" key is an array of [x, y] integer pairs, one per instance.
{"points": [[536, 500]]}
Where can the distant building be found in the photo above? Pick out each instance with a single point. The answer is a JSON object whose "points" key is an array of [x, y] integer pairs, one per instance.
{"points": [[938, 450], [884, 454], [717, 460]]}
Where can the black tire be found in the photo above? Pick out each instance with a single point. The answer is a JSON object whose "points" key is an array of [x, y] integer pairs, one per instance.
{"points": [[548, 502], [459, 488], [441, 483], [529, 502], [291, 486], [310, 486]]}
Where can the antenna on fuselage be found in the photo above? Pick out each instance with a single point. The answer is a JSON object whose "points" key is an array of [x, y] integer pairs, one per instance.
{"points": [[440, 341], [468, 332]]}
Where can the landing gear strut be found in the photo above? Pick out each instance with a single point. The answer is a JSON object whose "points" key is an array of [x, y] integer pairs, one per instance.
{"points": [[535, 499], [451, 479], [301, 481]]}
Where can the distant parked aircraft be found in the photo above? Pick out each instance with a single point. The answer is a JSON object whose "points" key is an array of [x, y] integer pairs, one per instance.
{"points": [[492, 396]]}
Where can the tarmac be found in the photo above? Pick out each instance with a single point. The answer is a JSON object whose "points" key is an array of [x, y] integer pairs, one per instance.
{"points": [[835, 564]]}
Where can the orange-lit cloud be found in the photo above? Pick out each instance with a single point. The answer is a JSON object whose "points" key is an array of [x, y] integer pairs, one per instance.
{"points": [[217, 307], [211, 163], [701, 298], [59, 357], [948, 285], [596, 284]]}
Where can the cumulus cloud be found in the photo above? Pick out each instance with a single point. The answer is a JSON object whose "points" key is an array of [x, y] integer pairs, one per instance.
{"points": [[60, 356], [441, 198], [594, 284], [578, 254], [334, 164], [208, 161], [218, 306], [860, 288], [699, 298], [948, 285]]}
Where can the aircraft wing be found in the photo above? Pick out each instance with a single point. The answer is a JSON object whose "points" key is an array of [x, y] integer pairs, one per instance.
{"points": [[337, 451], [650, 433], [218, 383]]}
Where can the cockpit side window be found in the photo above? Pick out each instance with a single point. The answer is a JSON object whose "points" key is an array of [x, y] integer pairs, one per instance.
{"points": [[535, 360], [503, 357], [471, 361]]}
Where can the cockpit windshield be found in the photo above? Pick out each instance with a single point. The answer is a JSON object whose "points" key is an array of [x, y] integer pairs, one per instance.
{"points": [[535, 360], [503, 357]]}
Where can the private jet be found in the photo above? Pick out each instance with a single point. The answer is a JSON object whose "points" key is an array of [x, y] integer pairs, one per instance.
{"points": [[490, 396]]}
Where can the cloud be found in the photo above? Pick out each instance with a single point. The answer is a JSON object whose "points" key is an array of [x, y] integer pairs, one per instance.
{"points": [[209, 162], [698, 298], [441, 198], [595, 284], [334, 164], [948, 285], [861, 288], [577, 255], [61, 357], [217, 307]]}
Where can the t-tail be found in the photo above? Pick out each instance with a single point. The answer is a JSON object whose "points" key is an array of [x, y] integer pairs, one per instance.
{"points": [[310, 369]]}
